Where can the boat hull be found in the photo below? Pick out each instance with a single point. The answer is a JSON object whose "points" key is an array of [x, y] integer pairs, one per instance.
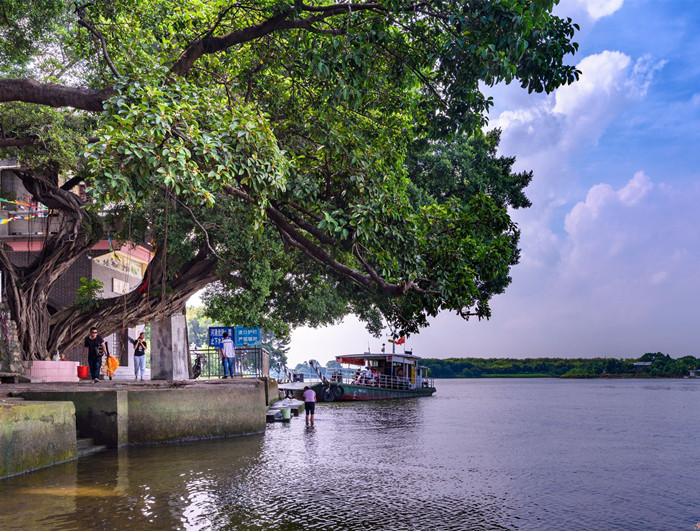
{"points": [[352, 392]]}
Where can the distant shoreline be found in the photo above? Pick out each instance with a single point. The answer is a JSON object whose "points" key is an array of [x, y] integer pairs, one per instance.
{"points": [[650, 365]]}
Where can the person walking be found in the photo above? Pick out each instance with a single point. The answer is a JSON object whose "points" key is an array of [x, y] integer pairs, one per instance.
{"points": [[309, 404], [94, 345], [228, 354], [140, 347]]}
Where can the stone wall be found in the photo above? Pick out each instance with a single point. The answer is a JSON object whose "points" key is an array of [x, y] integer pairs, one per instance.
{"points": [[35, 434], [165, 414], [200, 413], [272, 390]]}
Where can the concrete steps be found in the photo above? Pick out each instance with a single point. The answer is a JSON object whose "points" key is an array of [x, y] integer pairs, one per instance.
{"points": [[87, 446], [13, 377], [275, 412]]}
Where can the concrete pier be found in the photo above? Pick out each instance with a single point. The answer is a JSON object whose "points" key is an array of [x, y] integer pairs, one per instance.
{"points": [[44, 417], [117, 415]]}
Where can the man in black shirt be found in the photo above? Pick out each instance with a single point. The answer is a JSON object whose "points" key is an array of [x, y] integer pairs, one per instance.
{"points": [[94, 345]]}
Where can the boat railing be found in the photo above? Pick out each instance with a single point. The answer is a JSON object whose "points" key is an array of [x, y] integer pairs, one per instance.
{"points": [[351, 377], [347, 376]]}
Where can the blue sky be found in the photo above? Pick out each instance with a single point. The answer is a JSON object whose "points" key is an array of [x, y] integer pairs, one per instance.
{"points": [[610, 260]]}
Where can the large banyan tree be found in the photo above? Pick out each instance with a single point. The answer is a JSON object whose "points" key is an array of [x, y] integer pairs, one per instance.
{"points": [[315, 157]]}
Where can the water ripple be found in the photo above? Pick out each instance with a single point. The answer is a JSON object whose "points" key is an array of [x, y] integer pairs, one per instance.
{"points": [[478, 455]]}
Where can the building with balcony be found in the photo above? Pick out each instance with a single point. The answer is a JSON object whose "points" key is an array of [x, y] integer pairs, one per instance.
{"points": [[24, 225]]}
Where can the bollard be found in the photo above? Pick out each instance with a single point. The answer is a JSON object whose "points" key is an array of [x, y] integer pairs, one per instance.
{"points": [[286, 414]]}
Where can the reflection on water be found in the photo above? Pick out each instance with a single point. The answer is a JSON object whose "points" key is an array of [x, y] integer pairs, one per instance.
{"points": [[480, 454]]}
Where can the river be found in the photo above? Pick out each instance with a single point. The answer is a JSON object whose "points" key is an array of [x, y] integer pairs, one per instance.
{"points": [[479, 454]]}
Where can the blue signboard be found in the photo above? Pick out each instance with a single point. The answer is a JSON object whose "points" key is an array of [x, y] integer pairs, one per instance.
{"points": [[216, 333], [247, 336]]}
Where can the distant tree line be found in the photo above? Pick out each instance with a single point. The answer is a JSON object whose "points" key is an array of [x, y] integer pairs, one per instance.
{"points": [[662, 365]]}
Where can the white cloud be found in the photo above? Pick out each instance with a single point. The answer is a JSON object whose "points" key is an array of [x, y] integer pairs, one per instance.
{"points": [[600, 8], [645, 69], [602, 75], [547, 133], [577, 114], [601, 196], [636, 189]]}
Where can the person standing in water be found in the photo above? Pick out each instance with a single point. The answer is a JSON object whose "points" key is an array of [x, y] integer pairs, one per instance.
{"points": [[309, 404]]}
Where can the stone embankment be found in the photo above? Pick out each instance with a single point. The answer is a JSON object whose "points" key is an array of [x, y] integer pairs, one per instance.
{"points": [[35, 434], [39, 422]]}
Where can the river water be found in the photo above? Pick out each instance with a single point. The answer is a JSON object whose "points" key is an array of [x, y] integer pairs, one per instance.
{"points": [[479, 454]]}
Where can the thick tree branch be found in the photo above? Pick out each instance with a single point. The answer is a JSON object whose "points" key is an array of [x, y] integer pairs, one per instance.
{"points": [[18, 142], [280, 22], [53, 95], [70, 183], [296, 239], [310, 228], [70, 238]]}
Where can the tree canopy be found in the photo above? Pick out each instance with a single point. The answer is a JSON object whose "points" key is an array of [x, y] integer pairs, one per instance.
{"points": [[315, 157]]}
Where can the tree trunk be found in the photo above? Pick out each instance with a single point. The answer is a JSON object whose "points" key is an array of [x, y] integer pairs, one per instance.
{"points": [[28, 287], [150, 301], [42, 334]]}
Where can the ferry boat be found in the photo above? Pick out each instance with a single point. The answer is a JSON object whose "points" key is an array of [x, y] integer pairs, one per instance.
{"points": [[369, 377]]}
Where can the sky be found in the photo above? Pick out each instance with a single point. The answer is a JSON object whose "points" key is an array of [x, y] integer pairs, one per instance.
{"points": [[610, 262]]}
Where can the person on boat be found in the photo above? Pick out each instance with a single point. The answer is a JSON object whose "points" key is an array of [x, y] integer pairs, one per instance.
{"points": [[357, 377], [309, 404], [370, 377], [401, 378]]}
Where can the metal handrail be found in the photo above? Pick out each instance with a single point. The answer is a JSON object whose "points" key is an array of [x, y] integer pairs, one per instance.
{"points": [[249, 362]]}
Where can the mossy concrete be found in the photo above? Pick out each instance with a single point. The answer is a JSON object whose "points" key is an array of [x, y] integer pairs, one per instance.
{"points": [[163, 415], [35, 435], [143, 415], [272, 390], [102, 415]]}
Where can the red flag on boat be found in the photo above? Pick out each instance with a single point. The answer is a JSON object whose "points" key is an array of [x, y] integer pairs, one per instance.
{"points": [[401, 341]]}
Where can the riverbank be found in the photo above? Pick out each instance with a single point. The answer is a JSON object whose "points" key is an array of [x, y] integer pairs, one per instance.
{"points": [[40, 422]]}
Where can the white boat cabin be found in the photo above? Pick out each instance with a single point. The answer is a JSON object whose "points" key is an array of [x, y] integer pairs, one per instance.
{"points": [[389, 371]]}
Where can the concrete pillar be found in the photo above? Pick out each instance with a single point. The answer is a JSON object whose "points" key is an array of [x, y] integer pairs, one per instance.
{"points": [[169, 351]]}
